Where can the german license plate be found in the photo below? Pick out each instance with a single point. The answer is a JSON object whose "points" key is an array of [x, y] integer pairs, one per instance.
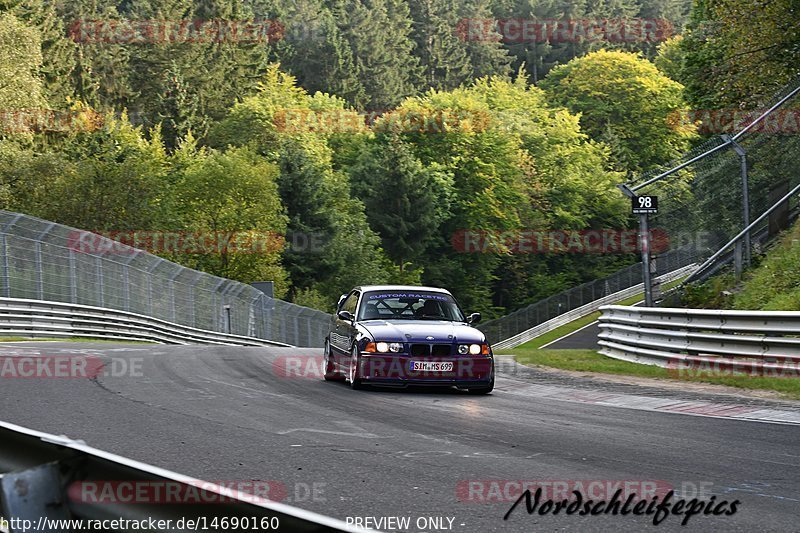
{"points": [[431, 366]]}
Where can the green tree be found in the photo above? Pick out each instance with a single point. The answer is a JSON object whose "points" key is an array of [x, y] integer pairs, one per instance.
{"points": [[378, 33], [20, 61], [331, 247], [405, 201], [670, 58], [625, 102], [232, 196], [442, 56], [487, 56], [58, 50], [740, 55], [114, 182], [178, 109]]}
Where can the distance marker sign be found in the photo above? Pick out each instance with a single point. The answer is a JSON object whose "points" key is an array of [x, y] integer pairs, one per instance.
{"points": [[644, 205]]}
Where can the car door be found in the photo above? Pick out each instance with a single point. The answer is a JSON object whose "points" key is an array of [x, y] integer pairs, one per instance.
{"points": [[344, 330]]}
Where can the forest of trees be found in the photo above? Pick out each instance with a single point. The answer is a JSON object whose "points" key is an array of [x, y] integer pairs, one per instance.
{"points": [[381, 128]]}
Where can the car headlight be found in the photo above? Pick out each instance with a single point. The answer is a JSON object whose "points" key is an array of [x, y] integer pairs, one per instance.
{"points": [[384, 347], [473, 349]]}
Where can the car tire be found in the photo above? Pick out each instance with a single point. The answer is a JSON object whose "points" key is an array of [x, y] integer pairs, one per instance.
{"points": [[330, 373], [354, 377], [482, 390]]}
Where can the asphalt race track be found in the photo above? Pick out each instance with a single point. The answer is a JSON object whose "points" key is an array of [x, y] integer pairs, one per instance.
{"points": [[225, 413]]}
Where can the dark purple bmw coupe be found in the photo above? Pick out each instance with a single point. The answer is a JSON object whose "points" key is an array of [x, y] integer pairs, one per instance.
{"points": [[395, 336]]}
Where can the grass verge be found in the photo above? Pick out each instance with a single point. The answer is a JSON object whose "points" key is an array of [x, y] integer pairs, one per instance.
{"points": [[591, 361]]}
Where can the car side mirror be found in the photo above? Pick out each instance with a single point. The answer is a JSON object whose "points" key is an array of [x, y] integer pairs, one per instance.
{"points": [[474, 318], [346, 315]]}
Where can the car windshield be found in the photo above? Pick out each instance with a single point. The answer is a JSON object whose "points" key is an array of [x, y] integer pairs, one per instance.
{"points": [[397, 305]]}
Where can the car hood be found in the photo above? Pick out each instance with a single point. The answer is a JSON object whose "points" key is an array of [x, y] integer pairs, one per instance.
{"points": [[420, 330]]}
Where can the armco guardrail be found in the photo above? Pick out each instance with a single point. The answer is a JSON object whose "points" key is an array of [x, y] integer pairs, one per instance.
{"points": [[584, 310], [750, 341], [37, 318], [43, 477]]}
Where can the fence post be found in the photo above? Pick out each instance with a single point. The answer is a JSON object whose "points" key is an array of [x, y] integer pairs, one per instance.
{"points": [[126, 291], [738, 260], [6, 274], [73, 278], [644, 236], [740, 151], [172, 292], [98, 261], [37, 246]]}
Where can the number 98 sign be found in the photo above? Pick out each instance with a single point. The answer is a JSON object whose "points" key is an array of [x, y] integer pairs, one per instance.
{"points": [[644, 205]]}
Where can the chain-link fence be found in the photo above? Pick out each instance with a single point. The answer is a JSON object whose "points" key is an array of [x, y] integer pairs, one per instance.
{"points": [[47, 261], [713, 192], [754, 161]]}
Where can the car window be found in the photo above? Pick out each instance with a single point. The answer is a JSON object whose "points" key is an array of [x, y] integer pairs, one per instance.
{"points": [[350, 303], [416, 305]]}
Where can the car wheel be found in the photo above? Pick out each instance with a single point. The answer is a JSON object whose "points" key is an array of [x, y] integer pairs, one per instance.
{"points": [[327, 364], [355, 378], [482, 390]]}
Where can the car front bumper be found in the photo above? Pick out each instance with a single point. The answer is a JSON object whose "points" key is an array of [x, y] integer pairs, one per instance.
{"points": [[395, 369]]}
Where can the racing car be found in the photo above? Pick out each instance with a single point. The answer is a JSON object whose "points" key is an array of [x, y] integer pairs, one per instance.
{"points": [[396, 336]]}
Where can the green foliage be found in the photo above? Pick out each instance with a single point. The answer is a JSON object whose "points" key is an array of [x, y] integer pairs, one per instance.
{"points": [[20, 60], [231, 193], [625, 102], [712, 294], [210, 136], [775, 284], [738, 54], [444, 60], [113, 181], [377, 33], [405, 201], [58, 51], [670, 58], [336, 249], [515, 162]]}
